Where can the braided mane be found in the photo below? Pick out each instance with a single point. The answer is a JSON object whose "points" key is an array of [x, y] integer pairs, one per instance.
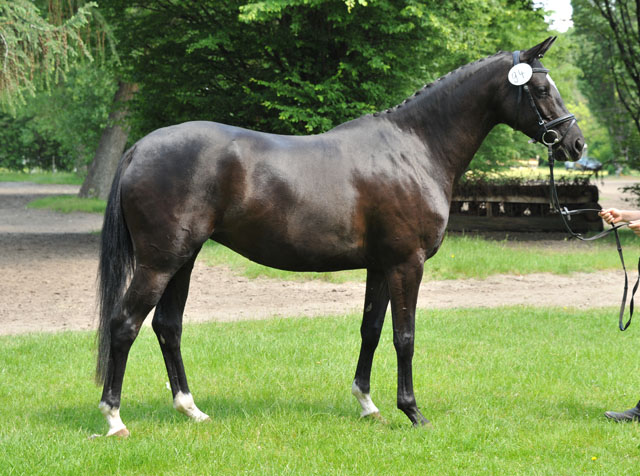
{"points": [[429, 85]]}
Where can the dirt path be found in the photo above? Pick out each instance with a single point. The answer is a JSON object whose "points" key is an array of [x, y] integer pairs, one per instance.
{"points": [[48, 264]]}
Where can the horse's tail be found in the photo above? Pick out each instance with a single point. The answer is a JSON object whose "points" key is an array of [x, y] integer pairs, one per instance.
{"points": [[116, 265]]}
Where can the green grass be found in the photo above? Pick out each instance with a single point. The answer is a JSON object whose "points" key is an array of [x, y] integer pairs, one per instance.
{"points": [[509, 391], [68, 178], [69, 204], [468, 256]]}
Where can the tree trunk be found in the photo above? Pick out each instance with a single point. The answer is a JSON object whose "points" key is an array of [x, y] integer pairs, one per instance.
{"points": [[111, 146]]}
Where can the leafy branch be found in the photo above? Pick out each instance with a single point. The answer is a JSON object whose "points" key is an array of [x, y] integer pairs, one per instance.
{"points": [[36, 52]]}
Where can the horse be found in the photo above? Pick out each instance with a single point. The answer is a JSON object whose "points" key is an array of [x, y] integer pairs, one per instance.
{"points": [[371, 193]]}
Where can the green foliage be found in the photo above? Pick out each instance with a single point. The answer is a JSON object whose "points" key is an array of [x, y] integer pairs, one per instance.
{"points": [[502, 147], [23, 145], [283, 66], [607, 83], [301, 66], [59, 128], [37, 51], [510, 391]]}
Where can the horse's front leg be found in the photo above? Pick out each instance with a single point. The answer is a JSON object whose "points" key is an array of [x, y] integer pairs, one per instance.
{"points": [[404, 284], [375, 306]]}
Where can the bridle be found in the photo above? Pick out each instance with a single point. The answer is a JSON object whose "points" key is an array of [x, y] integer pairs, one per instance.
{"points": [[548, 135]]}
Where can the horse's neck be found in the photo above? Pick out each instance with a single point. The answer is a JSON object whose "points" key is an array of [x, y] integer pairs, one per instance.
{"points": [[453, 115]]}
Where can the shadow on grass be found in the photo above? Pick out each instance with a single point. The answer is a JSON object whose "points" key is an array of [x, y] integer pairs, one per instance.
{"points": [[579, 411], [85, 417]]}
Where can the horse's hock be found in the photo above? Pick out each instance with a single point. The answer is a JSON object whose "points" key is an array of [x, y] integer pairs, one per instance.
{"points": [[522, 207]]}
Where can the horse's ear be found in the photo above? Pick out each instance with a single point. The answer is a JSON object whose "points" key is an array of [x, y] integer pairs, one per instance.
{"points": [[537, 51]]}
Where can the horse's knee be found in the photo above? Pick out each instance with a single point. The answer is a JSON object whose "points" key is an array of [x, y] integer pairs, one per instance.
{"points": [[403, 343]]}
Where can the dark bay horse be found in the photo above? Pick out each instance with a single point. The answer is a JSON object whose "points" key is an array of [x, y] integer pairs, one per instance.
{"points": [[372, 193]]}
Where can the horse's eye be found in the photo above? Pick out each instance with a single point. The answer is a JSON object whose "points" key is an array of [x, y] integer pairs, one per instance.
{"points": [[542, 91]]}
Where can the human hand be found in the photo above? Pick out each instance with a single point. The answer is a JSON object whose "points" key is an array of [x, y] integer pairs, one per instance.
{"points": [[612, 215], [635, 226]]}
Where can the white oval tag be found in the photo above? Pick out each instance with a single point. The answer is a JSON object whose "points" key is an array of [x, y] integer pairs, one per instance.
{"points": [[520, 74]]}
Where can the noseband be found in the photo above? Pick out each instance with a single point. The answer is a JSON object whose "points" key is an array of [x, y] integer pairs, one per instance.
{"points": [[548, 135]]}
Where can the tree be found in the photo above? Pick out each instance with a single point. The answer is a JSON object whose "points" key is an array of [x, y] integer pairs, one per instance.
{"points": [[41, 52], [610, 45], [111, 146], [302, 66], [59, 128], [37, 51]]}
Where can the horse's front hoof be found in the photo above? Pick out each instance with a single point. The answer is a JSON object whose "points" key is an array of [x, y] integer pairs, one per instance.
{"points": [[420, 421], [424, 423]]}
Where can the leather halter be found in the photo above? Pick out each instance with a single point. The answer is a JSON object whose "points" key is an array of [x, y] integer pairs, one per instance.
{"points": [[549, 136]]}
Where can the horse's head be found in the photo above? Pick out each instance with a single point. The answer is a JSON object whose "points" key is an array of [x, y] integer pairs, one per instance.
{"points": [[534, 105]]}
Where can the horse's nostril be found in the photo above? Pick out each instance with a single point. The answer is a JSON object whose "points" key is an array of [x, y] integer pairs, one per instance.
{"points": [[579, 144]]}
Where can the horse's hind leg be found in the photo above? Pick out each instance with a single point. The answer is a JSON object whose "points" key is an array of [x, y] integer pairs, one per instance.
{"points": [[147, 285], [167, 324], [375, 306]]}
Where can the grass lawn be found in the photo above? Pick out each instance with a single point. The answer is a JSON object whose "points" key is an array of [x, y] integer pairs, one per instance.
{"points": [[69, 204], [509, 391], [469, 256], [68, 178]]}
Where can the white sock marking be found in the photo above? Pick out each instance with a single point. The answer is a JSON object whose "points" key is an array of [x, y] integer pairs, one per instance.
{"points": [[365, 401], [113, 418], [183, 402]]}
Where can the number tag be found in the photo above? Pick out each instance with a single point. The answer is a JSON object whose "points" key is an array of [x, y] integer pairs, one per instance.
{"points": [[520, 74]]}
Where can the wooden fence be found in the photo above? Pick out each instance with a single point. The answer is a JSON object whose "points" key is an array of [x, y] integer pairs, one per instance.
{"points": [[522, 208]]}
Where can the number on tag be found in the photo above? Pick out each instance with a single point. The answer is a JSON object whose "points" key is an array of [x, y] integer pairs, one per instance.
{"points": [[520, 74]]}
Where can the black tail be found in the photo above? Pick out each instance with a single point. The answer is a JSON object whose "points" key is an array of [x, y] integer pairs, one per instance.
{"points": [[116, 265]]}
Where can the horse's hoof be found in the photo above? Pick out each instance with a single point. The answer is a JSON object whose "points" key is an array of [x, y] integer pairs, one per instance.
{"points": [[123, 433], [422, 422], [376, 416]]}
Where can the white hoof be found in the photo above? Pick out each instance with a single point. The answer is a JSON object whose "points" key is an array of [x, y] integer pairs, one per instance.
{"points": [[368, 407], [116, 427], [183, 402]]}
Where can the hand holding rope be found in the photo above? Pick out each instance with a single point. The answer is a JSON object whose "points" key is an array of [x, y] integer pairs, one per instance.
{"points": [[565, 214]]}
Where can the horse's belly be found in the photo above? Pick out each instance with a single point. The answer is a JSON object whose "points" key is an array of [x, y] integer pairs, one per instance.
{"points": [[310, 250]]}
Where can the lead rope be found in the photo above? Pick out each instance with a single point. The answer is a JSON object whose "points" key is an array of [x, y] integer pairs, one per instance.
{"points": [[565, 214]]}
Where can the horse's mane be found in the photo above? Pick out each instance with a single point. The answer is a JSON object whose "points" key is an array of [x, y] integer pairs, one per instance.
{"points": [[427, 87]]}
